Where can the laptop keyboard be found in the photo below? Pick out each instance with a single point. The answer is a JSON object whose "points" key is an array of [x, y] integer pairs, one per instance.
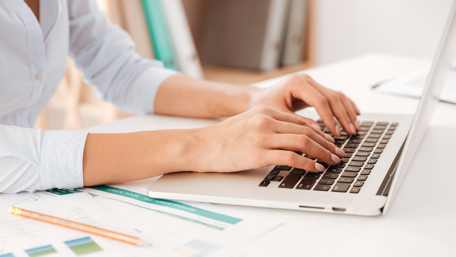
{"points": [[361, 154]]}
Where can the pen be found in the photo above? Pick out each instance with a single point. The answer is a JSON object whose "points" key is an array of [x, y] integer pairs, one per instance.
{"points": [[78, 226]]}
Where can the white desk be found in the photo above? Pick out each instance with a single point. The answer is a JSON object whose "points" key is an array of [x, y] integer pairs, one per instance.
{"points": [[422, 221]]}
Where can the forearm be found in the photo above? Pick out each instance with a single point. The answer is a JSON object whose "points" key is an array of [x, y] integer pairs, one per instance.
{"points": [[180, 95], [115, 158]]}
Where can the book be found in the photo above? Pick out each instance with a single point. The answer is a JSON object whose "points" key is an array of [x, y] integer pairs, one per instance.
{"points": [[184, 46], [159, 34], [135, 25], [295, 35], [244, 33]]}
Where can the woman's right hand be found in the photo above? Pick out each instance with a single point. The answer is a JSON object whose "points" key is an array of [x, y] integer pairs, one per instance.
{"points": [[258, 138]]}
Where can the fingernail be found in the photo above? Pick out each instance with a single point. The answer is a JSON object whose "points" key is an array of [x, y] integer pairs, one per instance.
{"points": [[340, 152], [335, 158], [352, 128], [357, 109], [329, 138], [316, 126], [358, 127], [337, 131], [319, 167]]}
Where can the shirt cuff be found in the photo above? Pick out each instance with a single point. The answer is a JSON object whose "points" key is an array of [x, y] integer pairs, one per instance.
{"points": [[147, 84], [61, 159]]}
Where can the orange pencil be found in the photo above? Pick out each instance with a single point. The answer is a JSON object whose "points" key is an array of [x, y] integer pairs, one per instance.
{"points": [[79, 226]]}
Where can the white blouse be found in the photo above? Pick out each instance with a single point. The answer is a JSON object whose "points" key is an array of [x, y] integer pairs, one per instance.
{"points": [[32, 63]]}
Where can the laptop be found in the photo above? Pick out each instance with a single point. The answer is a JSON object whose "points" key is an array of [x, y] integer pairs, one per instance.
{"points": [[364, 183]]}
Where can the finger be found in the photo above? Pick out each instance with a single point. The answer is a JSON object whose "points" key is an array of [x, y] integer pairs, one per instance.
{"points": [[296, 119], [302, 143], [314, 98], [336, 106], [350, 110], [323, 140], [288, 158], [358, 112]]}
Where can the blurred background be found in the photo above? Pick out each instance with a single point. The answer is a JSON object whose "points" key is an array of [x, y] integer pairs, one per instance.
{"points": [[246, 41]]}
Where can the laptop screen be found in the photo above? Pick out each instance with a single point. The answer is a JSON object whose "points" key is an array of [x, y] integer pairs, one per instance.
{"points": [[434, 84]]}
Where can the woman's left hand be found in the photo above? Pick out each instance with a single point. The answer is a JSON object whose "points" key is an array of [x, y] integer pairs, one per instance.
{"points": [[300, 91]]}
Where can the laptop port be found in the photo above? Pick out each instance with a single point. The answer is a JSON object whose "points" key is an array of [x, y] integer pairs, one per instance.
{"points": [[335, 209]]}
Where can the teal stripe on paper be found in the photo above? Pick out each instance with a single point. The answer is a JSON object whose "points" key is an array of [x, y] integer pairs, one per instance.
{"points": [[169, 204]]}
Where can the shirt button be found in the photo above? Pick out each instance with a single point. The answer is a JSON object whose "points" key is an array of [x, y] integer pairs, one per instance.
{"points": [[39, 76]]}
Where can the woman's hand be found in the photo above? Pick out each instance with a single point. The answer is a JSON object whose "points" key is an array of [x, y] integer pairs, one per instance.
{"points": [[260, 137], [300, 91]]}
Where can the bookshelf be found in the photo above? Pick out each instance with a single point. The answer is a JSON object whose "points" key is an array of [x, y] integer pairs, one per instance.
{"points": [[196, 14]]}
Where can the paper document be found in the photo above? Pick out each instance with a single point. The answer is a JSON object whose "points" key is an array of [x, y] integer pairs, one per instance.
{"points": [[412, 84], [20, 236], [202, 214]]}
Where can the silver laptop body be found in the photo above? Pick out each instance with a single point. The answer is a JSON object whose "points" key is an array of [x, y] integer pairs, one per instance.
{"points": [[374, 196]]}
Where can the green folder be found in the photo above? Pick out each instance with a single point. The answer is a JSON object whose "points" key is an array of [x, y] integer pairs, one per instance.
{"points": [[160, 37]]}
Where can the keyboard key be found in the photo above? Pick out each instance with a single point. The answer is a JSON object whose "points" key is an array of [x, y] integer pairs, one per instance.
{"points": [[381, 146], [377, 131], [349, 150], [368, 144], [324, 164], [375, 156], [269, 177], [298, 172], [382, 123], [340, 187], [358, 184], [357, 164], [264, 183], [345, 180], [344, 160], [352, 145], [349, 174], [277, 178], [282, 168], [362, 154], [364, 128], [394, 123], [348, 155], [290, 181], [389, 132], [374, 136], [386, 136], [330, 176], [372, 161], [322, 187], [334, 169], [359, 159], [353, 169], [361, 133], [367, 123], [341, 165], [362, 177], [366, 149], [369, 166], [312, 175], [355, 141], [306, 184], [274, 172], [355, 190], [326, 182], [341, 137], [365, 172], [384, 141], [380, 127], [358, 136], [379, 151], [371, 140]]}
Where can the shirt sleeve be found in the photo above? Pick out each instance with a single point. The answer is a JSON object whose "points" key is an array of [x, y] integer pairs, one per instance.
{"points": [[32, 159], [106, 56]]}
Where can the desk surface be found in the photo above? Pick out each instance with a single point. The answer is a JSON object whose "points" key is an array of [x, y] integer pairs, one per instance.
{"points": [[422, 219]]}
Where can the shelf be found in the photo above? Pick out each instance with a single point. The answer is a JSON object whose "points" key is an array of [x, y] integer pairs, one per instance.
{"points": [[244, 77]]}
